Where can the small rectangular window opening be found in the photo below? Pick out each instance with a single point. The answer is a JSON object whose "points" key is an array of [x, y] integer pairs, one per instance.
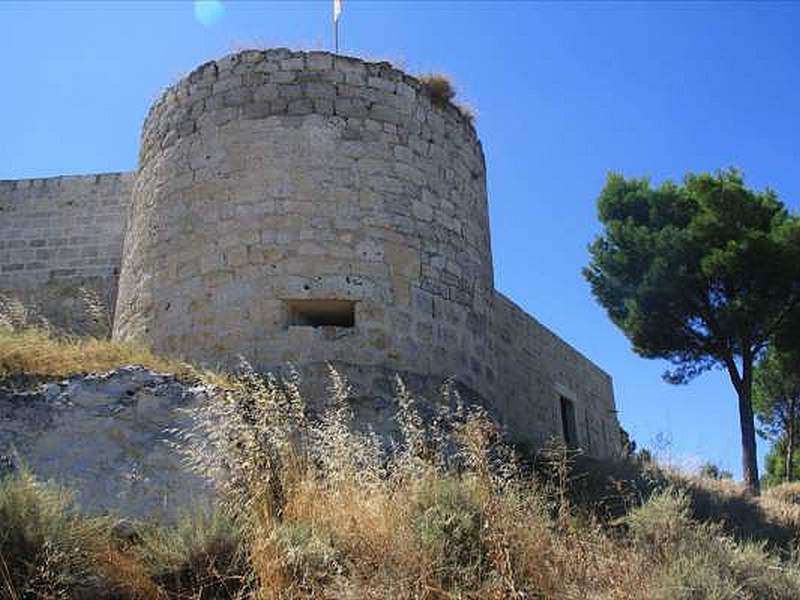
{"points": [[321, 313], [568, 426]]}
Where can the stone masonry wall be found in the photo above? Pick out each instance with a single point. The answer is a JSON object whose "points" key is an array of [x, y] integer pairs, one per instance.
{"points": [[268, 177], [535, 369], [60, 234]]}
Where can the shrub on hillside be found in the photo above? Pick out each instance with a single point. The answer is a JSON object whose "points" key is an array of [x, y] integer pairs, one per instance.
{"points": [[711, 471], [45, 545], [697, 560], [309, 554], [449, 522], [203, 551]]}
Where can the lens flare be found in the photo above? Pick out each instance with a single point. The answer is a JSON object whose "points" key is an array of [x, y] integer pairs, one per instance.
{"points": [[208, 12]]}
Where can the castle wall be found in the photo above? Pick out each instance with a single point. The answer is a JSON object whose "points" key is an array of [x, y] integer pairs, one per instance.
{"points": [[305, 208], [273, 177], [58, 235], [535, 369]]}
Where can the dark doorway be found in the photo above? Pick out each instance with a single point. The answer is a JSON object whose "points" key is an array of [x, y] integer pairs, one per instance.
{"points": [[568, 427]]}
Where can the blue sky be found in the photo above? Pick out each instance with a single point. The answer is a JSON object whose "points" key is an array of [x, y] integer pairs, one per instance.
{"points": [[565, 93]]}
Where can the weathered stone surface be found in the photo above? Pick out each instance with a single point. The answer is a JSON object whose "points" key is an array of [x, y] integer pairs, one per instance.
{"points": [[107, 438], [59, 235], [268, 177], [288, 179]]}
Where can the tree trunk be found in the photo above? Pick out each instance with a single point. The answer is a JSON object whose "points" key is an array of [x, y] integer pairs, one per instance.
{"points": [[789, 467], [744, 389], [749, 465], [747, 426]]}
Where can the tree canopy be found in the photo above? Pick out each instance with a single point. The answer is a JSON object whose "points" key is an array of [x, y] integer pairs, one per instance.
{"points": [[776, 391], [775, 466], [703, 274], [776, 400]]}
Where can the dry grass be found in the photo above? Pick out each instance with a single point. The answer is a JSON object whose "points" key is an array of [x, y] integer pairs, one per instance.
{"points": [[440, 89], [782, 505], [38, 353], [788, 493], [30, 349], [46, 547], [312, 509], [447, 512]]}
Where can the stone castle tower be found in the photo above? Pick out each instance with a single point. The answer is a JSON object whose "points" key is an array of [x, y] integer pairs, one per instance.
{"points": [[307, 208]]}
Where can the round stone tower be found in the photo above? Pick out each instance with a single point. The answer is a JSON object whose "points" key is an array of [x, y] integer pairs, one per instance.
{"points": [[305, 208]]}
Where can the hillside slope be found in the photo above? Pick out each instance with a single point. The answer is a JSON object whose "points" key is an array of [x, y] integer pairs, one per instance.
{"points": [[312, 509]]}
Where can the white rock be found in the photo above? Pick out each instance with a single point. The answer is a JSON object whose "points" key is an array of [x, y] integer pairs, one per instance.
{"points": [[109, 438]]}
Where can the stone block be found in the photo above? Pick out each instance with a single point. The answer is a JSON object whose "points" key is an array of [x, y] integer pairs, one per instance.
{"points": [[351, 107], [293, 64], [290, 92], [282, 77], [319, 61], [304, 106]]}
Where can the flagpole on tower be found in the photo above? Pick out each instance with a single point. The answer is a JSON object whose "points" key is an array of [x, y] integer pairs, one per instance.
{"points": [[337, 10]]}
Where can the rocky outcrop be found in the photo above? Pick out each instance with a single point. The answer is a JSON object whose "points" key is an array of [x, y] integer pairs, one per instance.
{"points": [[108, 437]]}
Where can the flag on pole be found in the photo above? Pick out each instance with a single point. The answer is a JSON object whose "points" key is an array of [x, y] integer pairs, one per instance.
{"points": [[337, 10]]}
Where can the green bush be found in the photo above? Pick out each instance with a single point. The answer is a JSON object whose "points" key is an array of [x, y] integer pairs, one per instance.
{"points": [[308, 552], [662, 522], [449, 522], [692, 560], [709, 470], [200, 556], [45, 546]]}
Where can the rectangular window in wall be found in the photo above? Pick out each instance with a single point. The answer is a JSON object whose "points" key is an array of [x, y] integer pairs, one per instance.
{"points": [[321, 313], [569, 428]]}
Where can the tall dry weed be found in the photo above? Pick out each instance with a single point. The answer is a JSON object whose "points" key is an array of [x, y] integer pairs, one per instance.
{"points": [[314, 507], [98, 311], [16, 316]]}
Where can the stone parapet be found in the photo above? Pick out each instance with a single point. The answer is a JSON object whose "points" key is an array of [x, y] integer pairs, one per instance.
{"points": [[59, 234]]}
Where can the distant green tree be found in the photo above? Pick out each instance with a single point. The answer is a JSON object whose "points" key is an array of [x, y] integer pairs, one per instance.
{"points": [[711, 471], [775, 465], [702, 274], [627, 442], [776, 400], [645, 457]]}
